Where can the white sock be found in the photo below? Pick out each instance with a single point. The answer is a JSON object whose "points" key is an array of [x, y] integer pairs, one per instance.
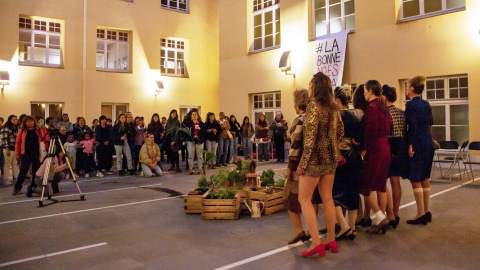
{"points": [[379, 216]]}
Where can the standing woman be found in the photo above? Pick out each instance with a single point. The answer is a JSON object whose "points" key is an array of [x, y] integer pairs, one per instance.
{"points": [[347, 177], [95, 123], [420, 147], [140, 132], [262, 133], [157, 129], [376, 153], [173, 140], [323, 130], [121, 144], [279, 127], [235, 130], [223, 140], [8, 136], [195, 140], [103, 134], [399, 150], [27, 148], [247, 133], [212, 131]]}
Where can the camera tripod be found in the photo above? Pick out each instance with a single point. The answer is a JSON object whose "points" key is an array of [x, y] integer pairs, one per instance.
{"points": [[50, 171]]}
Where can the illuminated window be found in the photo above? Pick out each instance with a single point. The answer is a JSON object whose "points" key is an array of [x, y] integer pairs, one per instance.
{"points": [[172, 57], [266, 103], [176, 5], [448, 98], [417, 9], [45, 110], [40, 42], [113, 50], [332, 16], [266, 24]]}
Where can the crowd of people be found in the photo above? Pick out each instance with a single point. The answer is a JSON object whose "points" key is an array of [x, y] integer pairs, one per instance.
{"points": [[336, 155]]}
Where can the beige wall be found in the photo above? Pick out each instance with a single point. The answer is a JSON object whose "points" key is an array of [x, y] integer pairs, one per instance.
{"points": [[381, 48], [148, 22]]}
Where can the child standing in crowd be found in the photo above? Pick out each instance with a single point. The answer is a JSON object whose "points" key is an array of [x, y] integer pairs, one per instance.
{"points": [[8, 136], [247, 133], [235, 131], [212, 128], [87, 144], [71, 151], [103, 134], [262, 133], [139, 140], [66, 123]]}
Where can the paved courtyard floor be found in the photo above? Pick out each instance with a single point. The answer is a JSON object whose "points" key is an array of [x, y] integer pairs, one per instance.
{"points": [[137, 223]]}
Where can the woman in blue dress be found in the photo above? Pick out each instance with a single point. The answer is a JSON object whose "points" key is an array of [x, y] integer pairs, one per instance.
{"points": [[420, 147]]}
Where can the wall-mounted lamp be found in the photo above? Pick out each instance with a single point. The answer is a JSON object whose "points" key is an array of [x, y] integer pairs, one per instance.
{"points": [[285, 63], [4, 79], [160, 88]]}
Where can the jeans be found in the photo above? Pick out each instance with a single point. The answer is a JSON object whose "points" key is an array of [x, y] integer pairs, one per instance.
{"points": [[263, 151], [89, 162], [126, 151], [212, 148], [148, 172], [233, 149], [193, 147], [222, 150], [162, 151], [247, 148], [131, 145], [57, 177], [10, 163], [27, 161]]}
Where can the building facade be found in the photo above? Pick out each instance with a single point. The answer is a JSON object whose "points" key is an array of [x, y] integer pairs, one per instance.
{"points": [[389, 40], [88, 58]]}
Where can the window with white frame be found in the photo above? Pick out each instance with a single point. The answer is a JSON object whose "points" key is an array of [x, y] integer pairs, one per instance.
{"points": [[332, 16], [176, 5], [266, 24], [40, 42], [448, 98], [172, 57], [417, 9], [45, 110], [266, 103], [113, 50]]}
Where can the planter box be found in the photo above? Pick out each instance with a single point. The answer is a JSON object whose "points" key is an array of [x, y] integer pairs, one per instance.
{"points": [[273, 202], [193, 204], [243, 195], [220, 208]]}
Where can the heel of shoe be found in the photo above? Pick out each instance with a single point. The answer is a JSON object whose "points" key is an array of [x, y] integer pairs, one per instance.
{"points": [[332, 246], [321, 253]]}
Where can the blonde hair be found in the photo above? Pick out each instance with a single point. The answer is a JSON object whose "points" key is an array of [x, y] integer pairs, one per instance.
{"points": [[418, 83]]}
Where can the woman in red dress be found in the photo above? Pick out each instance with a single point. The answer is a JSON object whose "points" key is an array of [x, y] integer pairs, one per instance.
{"points": [[376, 153]]}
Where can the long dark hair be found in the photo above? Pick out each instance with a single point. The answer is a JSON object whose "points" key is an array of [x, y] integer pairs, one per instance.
{"points": [[170, 115], [120, 122], [376, 88], [359, 101], [245, 118], [9, 123], [264, 122], [153, 123], [25, 119], [230, 120], [323, 92], [208, 117]]}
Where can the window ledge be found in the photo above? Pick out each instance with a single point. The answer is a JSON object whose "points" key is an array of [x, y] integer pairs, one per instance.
{"points": [[315, 38], [173, 75], [266, 49], [432, 14], [113, 70], [29, 64], [176, 10]]}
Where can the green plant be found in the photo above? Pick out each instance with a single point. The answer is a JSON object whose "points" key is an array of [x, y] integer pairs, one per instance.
{"points": [[222, 193], [267, 178], [203, 184], [280, 183]]}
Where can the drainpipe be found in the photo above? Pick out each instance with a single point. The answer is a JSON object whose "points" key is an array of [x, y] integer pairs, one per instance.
{"points": [[84, 67]]}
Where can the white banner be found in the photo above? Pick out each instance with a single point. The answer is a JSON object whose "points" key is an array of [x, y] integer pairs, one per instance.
{"points": [[330, 56]]}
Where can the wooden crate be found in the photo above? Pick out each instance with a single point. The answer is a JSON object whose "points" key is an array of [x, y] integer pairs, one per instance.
{"points": [[220, 208], [273, 202], [252, 180], [243, 194], [193, 204]]}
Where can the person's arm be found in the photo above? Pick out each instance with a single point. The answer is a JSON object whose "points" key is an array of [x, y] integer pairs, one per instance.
{"points": [[284, 127], [4, 138], [370, 128], [80, 145], [144, 155], [18, 144], [95, 143], [412, 127], [309, 137], [273, 126], [59, 167], [340, 128], [157, 154]]}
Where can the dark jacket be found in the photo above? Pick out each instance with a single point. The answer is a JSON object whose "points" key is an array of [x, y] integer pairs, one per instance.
{"points": [[210, 135], [234, 129], [118, 132], [78, 130], [279, 132], [157, 130], [172, 134], [131, 129], [201, 133], [103, 135]]}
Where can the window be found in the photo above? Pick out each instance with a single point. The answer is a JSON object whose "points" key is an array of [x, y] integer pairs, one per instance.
{"points": [[40, 42], [266, 24], [448, 98], [332, 16], [417, 9], [113, 50], [184, 110], [176, 5], [268, 104], [46, 110], [113, 110], [172, 57]]}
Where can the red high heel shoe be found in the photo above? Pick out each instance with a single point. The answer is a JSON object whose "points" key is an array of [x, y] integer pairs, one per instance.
{"points": [[320, 249], [332, 246]]}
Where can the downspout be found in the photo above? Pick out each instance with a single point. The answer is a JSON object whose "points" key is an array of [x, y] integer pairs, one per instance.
{"points": [[84, 67]]}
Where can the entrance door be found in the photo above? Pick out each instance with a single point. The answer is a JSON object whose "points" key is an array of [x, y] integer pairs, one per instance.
{"points": [[113, 110]]}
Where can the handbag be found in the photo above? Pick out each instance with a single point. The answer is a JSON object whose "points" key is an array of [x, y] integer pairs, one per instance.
{"points": [[230, 136]]}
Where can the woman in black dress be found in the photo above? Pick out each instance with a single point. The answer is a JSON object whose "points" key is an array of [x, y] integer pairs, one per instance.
{"points": [[420, 147]]}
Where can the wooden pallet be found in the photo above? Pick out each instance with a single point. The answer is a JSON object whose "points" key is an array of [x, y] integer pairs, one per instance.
{"points": [[193, 204], [243, 194], [273, 202], [220, 208]]}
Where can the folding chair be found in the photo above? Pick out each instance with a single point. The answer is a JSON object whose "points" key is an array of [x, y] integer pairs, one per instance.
{"points": [[452, 154], [468, 161]]}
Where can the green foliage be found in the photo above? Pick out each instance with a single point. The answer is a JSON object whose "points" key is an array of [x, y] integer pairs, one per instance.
{"points": [[222, 193], [280, 183], [267, 178], [203, 184]]}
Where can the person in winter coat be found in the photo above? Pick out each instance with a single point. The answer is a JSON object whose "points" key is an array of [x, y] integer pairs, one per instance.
{"points": [[173, 140], [120, 131], [212, 131], [279, 127], [195, 140], [223, 141], [247, 133], [150, 157]]}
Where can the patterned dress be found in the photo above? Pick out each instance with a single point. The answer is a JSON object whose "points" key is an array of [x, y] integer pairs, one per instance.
{"points": [[398, 145]]}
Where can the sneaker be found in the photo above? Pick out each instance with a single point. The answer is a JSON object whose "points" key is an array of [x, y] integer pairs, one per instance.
{"points": [[99, 174], [109, 173], [87, 175], [29, 191], [7, 182], [16, 192], [191, 171]]}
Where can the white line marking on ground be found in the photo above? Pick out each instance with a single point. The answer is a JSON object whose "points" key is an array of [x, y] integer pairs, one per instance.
{"points": [[278, 250], [88, 210], [76, 194], [51, 254]]}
